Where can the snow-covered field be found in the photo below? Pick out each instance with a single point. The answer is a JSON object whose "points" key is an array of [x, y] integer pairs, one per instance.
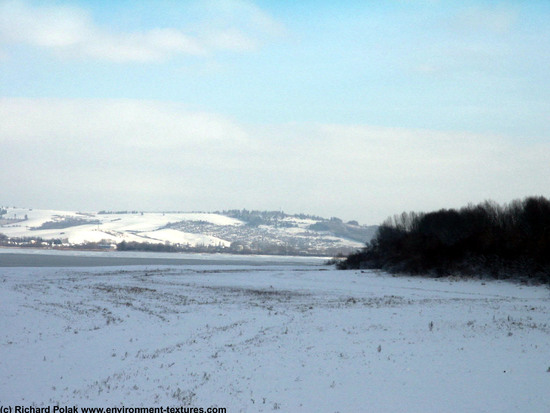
{"points": [[147, 227], [185, 230], [263, 338]]}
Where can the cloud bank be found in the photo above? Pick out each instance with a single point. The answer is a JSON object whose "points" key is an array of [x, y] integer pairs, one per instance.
{"points": [[129, 154], [71, 32]]}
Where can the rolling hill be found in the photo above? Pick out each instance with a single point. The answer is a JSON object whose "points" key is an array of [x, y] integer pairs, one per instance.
{"points": [[235, 231]]}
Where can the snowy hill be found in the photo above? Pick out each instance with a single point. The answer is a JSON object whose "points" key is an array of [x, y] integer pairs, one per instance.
{"points": [[229, 231]]}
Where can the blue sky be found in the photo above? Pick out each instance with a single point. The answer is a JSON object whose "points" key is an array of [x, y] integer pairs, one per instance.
{"points": [[351, 109]]}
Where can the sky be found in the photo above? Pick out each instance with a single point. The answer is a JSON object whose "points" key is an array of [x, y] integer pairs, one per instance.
{"points": [[355, 109]]}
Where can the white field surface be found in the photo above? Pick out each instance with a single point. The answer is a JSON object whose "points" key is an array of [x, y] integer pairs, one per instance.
{"points": [[263, 338], [178, 237]]}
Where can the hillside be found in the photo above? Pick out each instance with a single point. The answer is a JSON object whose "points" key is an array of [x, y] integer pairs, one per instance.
{"points": [[236, 231]]}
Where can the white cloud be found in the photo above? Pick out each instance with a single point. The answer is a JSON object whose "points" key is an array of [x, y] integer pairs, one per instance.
{"points": [[153, 45], [153, 155], [46, 26], [71, 32], [119, 123]]}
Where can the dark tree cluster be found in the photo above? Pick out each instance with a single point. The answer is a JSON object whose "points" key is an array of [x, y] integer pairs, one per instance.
{"points": [[486, 239], [350, 230], [266, 248], [65, 223], [103, 212], [145, 246], [157, 247], [255, 218]]}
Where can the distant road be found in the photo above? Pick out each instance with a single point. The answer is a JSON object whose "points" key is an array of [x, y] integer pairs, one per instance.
{"points": [[44, 258]]}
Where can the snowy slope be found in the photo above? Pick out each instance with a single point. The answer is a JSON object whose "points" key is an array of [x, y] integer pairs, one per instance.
{"points": [[259, 339], [180, 229], [116, 228]]}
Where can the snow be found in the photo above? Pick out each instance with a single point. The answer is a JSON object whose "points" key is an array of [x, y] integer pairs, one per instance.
{"points": [[192, 229], [262, 338], [179, 237], [113, 227]]}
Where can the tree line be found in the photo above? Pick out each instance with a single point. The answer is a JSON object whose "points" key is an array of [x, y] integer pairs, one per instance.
{"points": [[503, 241], [256, 218]]}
